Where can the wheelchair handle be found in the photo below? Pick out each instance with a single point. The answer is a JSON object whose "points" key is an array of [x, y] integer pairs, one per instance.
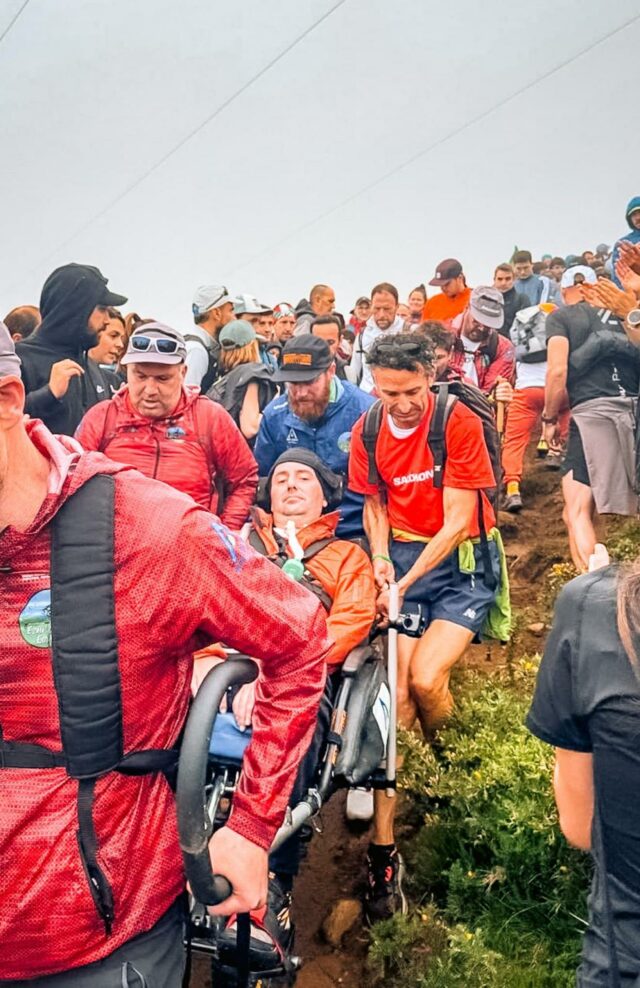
{"points": [[194, 826]]}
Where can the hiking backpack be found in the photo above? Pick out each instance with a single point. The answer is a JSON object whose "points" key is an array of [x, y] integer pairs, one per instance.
{"points": [[212, 352], [230, 390], [528, 335], [447, 394]]}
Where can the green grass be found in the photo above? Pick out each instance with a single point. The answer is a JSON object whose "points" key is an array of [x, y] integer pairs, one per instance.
{"points": [[500, 897]]}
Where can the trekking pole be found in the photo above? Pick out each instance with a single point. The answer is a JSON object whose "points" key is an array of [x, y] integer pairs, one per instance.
{"points": [[392, 672], [500, 411]]}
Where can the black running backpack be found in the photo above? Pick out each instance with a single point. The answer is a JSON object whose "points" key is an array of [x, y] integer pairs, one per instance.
{"points": [[447, 394]]}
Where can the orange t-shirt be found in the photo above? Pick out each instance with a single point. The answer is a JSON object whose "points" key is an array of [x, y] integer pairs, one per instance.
{"points": [[442, 307], [406, 467]]}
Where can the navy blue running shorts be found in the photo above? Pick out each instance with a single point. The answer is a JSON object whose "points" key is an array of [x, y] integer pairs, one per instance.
{"points": [[445, 593]]}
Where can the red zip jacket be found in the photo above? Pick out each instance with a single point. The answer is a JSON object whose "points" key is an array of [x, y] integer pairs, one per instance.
{"points": [[181, 581], [488, 371], [188, 449]]}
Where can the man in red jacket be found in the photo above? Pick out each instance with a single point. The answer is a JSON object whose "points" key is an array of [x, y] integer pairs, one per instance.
{"points": [[168, 431], [176, 579], [480, 353]]}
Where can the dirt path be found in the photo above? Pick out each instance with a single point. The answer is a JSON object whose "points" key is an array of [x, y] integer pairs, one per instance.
{"points": [[535, 540]]}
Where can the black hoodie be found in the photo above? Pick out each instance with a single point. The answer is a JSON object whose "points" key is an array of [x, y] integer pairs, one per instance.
{"points": [[69, 296]]}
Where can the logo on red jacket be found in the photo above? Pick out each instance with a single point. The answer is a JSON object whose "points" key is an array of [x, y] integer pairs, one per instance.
{"points": [[35, 620]]}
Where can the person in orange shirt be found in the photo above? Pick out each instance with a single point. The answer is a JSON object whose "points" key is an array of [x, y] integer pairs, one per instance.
{"points": [[454, 295]]}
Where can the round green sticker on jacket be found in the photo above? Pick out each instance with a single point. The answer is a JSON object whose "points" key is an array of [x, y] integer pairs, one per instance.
{"points": [[35, 620]]}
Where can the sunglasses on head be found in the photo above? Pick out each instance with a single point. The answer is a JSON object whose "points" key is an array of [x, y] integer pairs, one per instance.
{"points": [[161, 344], [409, 346]]}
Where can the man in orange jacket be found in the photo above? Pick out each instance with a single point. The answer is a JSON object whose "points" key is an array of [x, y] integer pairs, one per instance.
{"points": [[298, 520]]}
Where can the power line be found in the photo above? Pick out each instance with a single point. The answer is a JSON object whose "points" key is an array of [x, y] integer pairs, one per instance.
{"points": [[196, 130], [12, 21], [432, 147]]}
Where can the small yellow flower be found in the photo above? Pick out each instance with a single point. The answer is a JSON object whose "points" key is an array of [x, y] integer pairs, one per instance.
{"points": [[471, 874]]}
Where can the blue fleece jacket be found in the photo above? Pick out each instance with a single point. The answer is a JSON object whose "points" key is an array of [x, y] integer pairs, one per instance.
{"points": [[633, 237], [329, 437]]}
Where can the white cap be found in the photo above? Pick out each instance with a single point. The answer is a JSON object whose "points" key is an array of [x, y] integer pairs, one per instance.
{"points": [[568, 277], [248, 305], [209, 297]]}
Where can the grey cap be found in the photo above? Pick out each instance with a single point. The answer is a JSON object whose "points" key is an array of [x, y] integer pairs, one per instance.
{"points": [[9, 362], [487, 306], [248, 305]]}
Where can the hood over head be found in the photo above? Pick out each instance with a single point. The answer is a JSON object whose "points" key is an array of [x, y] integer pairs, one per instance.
{"points": [[632, 206], [69, 296]]}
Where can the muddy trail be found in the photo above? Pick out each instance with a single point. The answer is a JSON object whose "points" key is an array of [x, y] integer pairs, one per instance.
{"points": [[332, 875]]}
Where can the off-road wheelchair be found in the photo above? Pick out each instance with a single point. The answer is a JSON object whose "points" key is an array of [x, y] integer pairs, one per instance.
{"points": [[358, 751]]}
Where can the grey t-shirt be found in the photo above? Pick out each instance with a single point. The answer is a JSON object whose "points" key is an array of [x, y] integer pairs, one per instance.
{"points": [[587, 698]]}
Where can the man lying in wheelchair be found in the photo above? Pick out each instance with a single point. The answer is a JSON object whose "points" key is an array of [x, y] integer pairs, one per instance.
{"points": [[295, 527]]}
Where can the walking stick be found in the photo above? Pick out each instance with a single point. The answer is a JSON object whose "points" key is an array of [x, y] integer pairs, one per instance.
{"points": [[392, 672], [500, 410]]}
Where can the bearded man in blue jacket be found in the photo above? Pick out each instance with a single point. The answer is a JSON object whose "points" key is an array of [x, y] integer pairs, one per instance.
{"points": [[317, 412]]}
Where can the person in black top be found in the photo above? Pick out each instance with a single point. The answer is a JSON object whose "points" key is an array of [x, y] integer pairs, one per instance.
{"points": [[60, 379], [591, 360], [330, 328], [587, 704], [514, 301]]}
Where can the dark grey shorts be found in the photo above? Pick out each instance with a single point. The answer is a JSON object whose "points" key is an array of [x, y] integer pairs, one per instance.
{"points": [[154, 959]]}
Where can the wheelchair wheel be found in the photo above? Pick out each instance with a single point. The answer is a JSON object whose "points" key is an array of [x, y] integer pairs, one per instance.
{"points": [[195, 809]]}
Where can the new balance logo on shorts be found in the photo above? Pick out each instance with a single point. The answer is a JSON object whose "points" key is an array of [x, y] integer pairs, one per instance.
{"points": [[412, 478]]}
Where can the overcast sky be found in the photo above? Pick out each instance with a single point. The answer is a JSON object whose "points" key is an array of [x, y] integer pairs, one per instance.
{"points": [[376, 138]]}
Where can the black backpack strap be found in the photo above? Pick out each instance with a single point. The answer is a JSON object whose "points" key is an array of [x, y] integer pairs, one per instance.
{"points": [[370, 433], [437, 431], [84, 643], [315, 547], [491, 348], [489, 577], [84, 653]]}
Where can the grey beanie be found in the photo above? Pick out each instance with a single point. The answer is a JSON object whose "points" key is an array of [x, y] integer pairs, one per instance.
{"points": [[9, 362]]}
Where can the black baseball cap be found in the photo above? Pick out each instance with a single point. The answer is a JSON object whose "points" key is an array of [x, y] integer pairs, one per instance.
{"points": [[303, 359], [446, 271], [332, 483]]}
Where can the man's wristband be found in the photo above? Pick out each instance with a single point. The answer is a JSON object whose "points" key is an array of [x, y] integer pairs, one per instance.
{"points": [[549, 419], [378, 555]]}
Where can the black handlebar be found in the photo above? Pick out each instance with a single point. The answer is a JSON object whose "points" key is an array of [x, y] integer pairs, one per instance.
{"points": [[194, 826]]}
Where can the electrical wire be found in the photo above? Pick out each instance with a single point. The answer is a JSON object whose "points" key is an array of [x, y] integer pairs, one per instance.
{"points": [[431, 147], [12, 21], [196, 130]]}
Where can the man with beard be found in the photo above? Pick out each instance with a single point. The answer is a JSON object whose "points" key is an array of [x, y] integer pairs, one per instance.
{"points": [[480, 353], [60, 379], [317, 413]]}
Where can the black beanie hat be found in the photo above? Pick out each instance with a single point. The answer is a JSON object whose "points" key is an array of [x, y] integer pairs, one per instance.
{"points": [[331, 483]]}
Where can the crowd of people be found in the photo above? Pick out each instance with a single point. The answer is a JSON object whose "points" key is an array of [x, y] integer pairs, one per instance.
{"points": [[158, 475]]}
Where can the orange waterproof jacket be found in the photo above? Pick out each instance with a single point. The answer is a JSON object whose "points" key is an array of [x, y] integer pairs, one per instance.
{"points": [[345, 573]]}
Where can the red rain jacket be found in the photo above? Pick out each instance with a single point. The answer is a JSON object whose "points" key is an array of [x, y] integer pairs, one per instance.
{"points": [[191, 449], [182, 580]]}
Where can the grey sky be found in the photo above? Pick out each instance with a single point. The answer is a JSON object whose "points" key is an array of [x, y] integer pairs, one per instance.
{"points": [[271, 194]]}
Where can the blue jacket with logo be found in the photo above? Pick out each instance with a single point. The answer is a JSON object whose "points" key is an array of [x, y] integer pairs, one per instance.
{"points": [[329, 437]]}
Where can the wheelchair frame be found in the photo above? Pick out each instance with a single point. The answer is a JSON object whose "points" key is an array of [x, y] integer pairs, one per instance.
{"points": [[199, 801]]}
